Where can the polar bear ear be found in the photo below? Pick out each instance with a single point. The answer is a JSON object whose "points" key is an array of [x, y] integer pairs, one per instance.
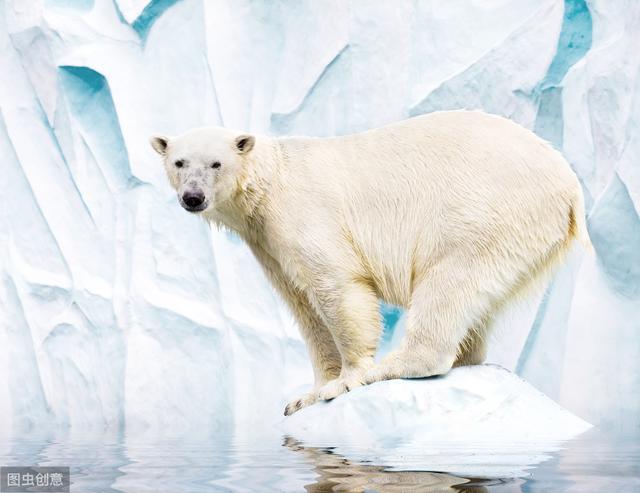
{"points": [[244, 143], [159, 144]]}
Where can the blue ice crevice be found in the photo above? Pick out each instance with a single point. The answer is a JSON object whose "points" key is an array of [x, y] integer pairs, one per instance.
{"points": [[573, 44], [149, 15], [90, 102]]}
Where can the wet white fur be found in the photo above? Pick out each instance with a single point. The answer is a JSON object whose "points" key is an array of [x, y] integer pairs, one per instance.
{"points": [[450, 215]]}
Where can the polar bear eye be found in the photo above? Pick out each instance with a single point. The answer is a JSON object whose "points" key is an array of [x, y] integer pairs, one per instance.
{"points": [[179, 163], [215, 165]]}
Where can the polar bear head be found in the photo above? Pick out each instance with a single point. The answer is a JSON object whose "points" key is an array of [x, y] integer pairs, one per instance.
{"points": [[204, 165]]}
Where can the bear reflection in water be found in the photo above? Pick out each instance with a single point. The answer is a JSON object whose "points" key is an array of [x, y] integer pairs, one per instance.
{"points": [[336, 473]]}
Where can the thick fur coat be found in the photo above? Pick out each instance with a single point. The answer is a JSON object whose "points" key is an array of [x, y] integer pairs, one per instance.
{"points": [[449, 215]]}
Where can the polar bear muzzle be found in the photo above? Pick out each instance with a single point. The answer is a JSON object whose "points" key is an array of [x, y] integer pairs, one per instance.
{"points": [[193, 200]]}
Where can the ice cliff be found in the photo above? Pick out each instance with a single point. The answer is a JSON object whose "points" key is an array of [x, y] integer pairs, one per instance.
{"points": [[118, 310]]}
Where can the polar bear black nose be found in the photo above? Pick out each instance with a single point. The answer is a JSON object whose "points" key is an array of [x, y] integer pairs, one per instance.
{"points": [[193, 200]]}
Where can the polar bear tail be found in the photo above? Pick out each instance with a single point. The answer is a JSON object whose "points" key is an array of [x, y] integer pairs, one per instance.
{"points": [[542, 269]]}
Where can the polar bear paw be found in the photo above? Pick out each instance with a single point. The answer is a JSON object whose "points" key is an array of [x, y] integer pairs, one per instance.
{"points": [[304, 401], [338, 386], [330, 390], [350, 379]]}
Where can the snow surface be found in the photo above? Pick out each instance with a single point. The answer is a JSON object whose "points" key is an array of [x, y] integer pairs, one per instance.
{"points": [[118, 310], [426, 423]]}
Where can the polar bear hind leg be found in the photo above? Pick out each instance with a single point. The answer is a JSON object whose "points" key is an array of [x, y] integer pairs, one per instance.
{"points": [[443, 306], [452, 306], [473, 349]]}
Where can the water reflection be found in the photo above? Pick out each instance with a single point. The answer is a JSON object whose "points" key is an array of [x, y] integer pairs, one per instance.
{"points": [[273, 463], [336, 473], [95, 461]]}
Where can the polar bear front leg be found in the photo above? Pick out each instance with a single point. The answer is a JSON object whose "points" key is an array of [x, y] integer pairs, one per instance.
{"points": [[352, 314], [325, 358], [324, 355]]}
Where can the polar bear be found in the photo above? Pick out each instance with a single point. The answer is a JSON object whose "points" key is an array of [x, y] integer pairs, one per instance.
{"points": [[449, 215]]}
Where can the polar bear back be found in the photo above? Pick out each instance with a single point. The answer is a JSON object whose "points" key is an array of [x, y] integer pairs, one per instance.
{"points": [[409, 192]]}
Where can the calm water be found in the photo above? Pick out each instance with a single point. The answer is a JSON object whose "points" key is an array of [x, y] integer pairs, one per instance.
{"points": [[592, 462]]}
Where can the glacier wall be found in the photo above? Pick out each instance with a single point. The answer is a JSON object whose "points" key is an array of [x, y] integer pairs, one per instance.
{"points": [[119, 311]]}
